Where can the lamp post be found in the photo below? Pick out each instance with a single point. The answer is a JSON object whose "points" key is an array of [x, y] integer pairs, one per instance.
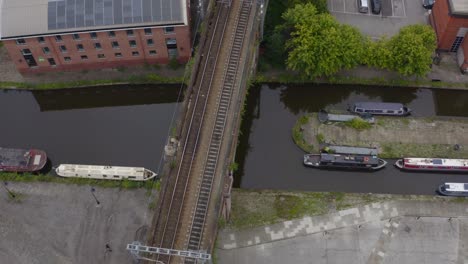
{"points": [[92, 192], [12, 195]]}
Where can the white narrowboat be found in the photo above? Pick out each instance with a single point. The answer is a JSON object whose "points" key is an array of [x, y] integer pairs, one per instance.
{"points": [[104, 172], [433, 164], [454, 189]]}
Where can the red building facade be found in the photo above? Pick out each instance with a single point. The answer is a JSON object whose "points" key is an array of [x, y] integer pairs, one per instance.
{"points": [[86, 48], [449, 18]]}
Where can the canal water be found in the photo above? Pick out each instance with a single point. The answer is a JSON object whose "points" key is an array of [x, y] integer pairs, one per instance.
{"points": [[268, 158], [109, 125]]}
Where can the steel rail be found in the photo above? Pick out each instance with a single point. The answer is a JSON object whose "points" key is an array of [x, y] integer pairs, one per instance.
{"points": [[211, 162]]}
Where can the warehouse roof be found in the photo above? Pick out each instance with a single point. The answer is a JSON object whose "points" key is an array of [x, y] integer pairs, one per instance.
{"points": [[459, 7], [22, 18]]}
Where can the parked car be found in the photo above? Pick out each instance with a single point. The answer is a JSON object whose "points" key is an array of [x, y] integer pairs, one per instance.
{"points": [[428, 4], [376, 6]]}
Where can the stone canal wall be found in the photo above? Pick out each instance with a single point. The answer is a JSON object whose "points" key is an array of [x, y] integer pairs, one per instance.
{"points": [[394, 136]]}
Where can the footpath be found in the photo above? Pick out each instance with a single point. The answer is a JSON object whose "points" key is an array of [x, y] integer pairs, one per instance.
{"points": [[229, 239]]}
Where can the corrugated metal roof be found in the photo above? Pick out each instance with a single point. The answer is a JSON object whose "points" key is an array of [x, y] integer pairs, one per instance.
{"points": [[19, 18]]}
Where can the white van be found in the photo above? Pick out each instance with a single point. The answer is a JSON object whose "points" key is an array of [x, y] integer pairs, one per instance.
{"points": [[362, 6]]}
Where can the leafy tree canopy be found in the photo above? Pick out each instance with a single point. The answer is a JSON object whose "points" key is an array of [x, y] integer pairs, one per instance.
{"points": [[319, 45], [411, 50]]}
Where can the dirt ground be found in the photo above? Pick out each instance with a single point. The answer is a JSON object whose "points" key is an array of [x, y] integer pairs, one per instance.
{"points": [[396, 137], [58, 223]]}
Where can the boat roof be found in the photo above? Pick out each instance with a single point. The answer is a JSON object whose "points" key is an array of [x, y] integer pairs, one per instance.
{"points": [[353, 150], [456, 186], [379, 105], [104, 170], [437, 162], [351, 159], [14, 157]]}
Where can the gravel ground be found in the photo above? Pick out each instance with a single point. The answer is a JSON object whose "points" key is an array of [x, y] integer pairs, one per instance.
{"points": [[57, 223]]}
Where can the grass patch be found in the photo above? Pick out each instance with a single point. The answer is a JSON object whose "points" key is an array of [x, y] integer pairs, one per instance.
{"points": [[250, 209], [358, 123], [320, 138], [298, 136], [398, 150], [124, 184], [133, 79]]}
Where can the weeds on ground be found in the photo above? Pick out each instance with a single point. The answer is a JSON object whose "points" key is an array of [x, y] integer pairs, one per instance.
{"points": [[26, 177], [358, 123], [298, 136]]}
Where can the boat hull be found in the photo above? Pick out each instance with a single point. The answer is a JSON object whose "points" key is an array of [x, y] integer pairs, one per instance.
{"points": [[22, 160], [441, 190], [428, 168], [313, 160]]}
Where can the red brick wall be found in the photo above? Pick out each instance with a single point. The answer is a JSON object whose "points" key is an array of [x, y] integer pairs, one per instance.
{"points": [[181, 34], [446, 26]]}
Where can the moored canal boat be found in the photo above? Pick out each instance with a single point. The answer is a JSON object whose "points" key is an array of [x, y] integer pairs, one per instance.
{"points": [[104, 172], [339, 161], [433, 164], [377, 108], [454, 189], [22, 160]]}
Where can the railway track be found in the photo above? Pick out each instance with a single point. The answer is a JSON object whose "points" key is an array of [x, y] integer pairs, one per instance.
{"points": [[172, 201], [211, 162]]}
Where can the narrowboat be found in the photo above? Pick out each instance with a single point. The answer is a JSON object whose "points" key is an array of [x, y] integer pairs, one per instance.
{"points": [[325, 117], [376, 108], [453, 189], [104, 172], [433, 164], [22, 160], [340, 161]]}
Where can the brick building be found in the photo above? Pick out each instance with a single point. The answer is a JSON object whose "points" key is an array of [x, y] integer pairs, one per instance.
{"points": [[57, 35], [449, 18]]}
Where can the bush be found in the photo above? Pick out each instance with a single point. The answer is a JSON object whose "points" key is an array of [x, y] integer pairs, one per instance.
{"points": [[358, 123]]}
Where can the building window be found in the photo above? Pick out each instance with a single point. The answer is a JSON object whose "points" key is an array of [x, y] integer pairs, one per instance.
{"points": [[80, 47], [150, 42], [132, 43], [26, 52], [148, 31], [40, 39], [135, 53], [130, 33], [152, 53], [93, 35], [20, 42], [169, 30], [52, 62], [29, 58], [118, 55], [111, 34], [58, 38], [46, 50], [63, 49], [115, 44], [101, 56], [84, 57], [67, 59], [76, 36], [97, 45]]}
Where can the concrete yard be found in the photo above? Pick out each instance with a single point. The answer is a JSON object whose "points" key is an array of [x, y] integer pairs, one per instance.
{"points": [[57, 223], [400, 232]]}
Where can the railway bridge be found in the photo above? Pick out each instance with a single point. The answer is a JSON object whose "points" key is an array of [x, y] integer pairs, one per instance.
{"points": [[196, 189]]}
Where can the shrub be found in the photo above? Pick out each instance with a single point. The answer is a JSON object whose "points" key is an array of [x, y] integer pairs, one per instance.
{"points": [[358, 123]]}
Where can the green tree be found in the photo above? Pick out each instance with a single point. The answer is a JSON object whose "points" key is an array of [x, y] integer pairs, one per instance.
{"points": [[319, 45], [411, 50]]}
